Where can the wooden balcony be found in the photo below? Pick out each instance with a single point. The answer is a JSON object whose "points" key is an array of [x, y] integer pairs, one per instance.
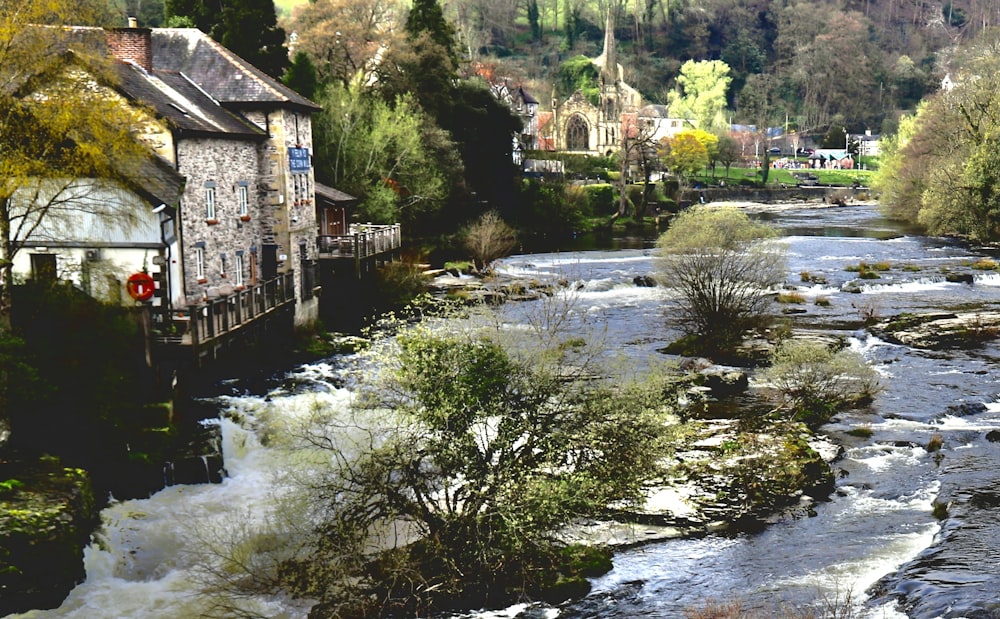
{"points": [[363, 241], [199, 330]]}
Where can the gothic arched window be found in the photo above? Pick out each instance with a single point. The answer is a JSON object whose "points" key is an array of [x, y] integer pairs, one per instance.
{"points": [[577, 134]]}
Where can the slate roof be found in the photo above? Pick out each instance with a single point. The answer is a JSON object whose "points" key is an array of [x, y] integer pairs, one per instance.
{"points": [[332, 195], [182, 104], [224, 75], [158, 182], [654, 111]]}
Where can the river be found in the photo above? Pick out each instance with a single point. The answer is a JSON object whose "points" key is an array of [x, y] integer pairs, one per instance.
{"points": [[874, 543]]}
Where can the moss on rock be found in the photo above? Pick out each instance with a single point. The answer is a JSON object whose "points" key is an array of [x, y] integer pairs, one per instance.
{"points": [[44, 526]]}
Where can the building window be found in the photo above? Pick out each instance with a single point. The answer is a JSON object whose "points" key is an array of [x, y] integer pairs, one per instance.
{"points": [[300, 188], [210, 203], [243, 199], [238, 269], [199, 262], [43, 267], [577, 134]]}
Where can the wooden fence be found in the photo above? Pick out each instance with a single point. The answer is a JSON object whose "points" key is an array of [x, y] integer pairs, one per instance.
{"points": [[199, 325], [363, 241]]}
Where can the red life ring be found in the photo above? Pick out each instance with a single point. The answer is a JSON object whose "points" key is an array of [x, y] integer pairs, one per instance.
{"points": [[140, 286]]}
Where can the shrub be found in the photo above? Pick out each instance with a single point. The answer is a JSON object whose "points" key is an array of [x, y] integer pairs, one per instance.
{"points": [[939, 510], [484, 454], [489, 239], [790, 297], [864, 431], [548, 208], [399, 283], [816, 381], [601, 199], [723, 266]]}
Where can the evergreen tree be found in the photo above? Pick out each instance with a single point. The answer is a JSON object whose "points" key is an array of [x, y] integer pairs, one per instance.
{"points": [[427, 16], [301, 75]]}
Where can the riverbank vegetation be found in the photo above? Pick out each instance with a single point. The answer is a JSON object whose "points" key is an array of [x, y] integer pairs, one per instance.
{"points": [[475, 459], [816, 379], [487, 448], [941, 168]]}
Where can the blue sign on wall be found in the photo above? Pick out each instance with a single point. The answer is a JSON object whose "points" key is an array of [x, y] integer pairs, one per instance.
{"points": [[298, 159]]}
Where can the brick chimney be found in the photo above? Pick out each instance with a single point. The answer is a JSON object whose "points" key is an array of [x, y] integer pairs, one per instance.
{"points": [[131, 44]]}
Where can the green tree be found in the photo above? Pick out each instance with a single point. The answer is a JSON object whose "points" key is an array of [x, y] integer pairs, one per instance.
{"points": [[684, 154], [301, 75], [723, 267], [426, 17], [383, 153], [149, 13], [702, 88], [533, 23], [940, 171], [484, 456], [578, 73], [483, 129]]}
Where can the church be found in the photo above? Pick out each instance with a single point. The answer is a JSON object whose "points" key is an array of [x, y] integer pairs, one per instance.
{"points": [[576, 125]]}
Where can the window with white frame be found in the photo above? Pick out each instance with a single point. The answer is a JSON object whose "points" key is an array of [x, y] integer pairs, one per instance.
{"points": [[238, 269], [199, 262], [210, 200], [243, 199]]}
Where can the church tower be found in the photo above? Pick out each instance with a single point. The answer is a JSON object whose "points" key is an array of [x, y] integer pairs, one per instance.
{"points": [[610, 80], [579, 125]]}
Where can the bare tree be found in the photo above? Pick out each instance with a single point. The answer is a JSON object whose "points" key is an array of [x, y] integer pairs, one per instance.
{"points": [[346, 37], [489, 239]]}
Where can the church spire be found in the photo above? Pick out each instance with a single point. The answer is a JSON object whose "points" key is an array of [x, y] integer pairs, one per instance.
{"points": [[608, 60]]}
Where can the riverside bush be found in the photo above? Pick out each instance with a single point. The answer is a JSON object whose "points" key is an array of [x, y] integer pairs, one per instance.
{"points": [[723, 267], [486, 450], [815, 381]]}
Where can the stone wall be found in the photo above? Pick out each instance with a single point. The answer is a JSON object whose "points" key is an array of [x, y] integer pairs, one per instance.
{"points": [[293, 226], [760, 194], [225, 166]]}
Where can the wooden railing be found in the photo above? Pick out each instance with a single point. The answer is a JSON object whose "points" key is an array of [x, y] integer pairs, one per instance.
{"points": [[363, 241], [199, 324]]}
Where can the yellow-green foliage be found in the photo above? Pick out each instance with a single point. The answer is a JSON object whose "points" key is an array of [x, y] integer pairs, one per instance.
{"points": [[790, 297], [815, 380]]}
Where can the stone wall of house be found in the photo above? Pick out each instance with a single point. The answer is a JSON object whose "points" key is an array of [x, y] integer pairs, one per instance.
{"points": [[228, 237], [292, 197]]}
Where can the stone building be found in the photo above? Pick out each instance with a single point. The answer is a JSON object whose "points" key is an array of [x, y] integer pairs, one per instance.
{"points": [[242, 143]]}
